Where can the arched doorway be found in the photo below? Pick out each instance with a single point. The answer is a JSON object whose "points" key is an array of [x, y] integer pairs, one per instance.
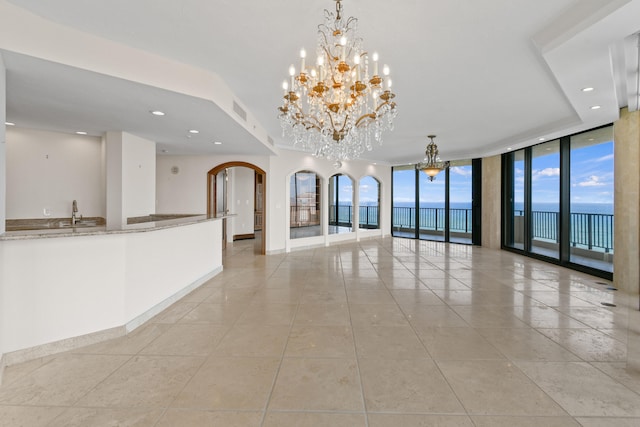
{"points": [[214, 187]]}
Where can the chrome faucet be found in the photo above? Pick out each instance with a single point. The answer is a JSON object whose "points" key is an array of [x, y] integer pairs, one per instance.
{"points": [[74, 211]]}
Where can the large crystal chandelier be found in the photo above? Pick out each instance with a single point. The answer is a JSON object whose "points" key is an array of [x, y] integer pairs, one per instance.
{"points": [[432, 165], [339, 107]]}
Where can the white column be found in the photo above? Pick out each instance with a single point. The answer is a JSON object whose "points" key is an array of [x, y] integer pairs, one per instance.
{"points": [[3, 145], [113, 166], [130, 177], [3, 200]]}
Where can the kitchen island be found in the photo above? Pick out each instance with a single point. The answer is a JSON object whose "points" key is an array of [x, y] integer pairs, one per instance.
{"points": [[64, 288]]}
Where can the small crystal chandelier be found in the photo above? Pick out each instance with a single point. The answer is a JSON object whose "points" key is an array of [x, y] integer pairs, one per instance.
{"points": [[432, 164], [337, 108]]}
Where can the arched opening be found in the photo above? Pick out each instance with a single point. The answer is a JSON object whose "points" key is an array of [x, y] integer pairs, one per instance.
{"points": [[305, 205], [340, 204], [218, 201]]}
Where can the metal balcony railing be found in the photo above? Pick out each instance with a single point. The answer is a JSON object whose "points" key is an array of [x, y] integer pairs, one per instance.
{"points": [[432, 219], [588, 230], [369, 216]]}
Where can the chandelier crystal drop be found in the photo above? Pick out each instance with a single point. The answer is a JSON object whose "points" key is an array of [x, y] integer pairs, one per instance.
{"points": [[339, 107], [432, 165]]}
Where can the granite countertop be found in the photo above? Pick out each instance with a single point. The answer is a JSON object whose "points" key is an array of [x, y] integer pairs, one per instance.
{"points": [[176, 221]]}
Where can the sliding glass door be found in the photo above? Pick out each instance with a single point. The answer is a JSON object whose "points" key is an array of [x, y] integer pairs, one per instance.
{"points": [[558, 201], [431, 206], [460, 201], [404, 202], [444, 209], [591, 238], [545, 199]]}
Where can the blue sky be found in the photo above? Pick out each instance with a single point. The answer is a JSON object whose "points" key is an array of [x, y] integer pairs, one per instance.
{"points": [[591, 179], [591, 176], [433, 191]]}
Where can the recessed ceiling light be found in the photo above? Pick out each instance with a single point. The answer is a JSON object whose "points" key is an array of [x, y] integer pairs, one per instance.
{"points": [[591, 139], [542, 139], [9, 124], [587, 89], [509, 148], [595, 107], [217, 143], [194, 131], [81, 132], [157, 113]]}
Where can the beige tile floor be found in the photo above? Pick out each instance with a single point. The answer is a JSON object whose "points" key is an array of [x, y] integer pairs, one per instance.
{"points": [[387, 332]]}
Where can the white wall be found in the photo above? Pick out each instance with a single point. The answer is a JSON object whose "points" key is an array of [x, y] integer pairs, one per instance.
{"points": [[3, 98], [288, 162], [243, 200], [186, 192], [48, 170]]}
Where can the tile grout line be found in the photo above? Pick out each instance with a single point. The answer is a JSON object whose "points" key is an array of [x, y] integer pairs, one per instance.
{"points": [[284, 349]]}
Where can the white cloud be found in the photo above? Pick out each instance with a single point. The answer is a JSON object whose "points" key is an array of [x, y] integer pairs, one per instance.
{"points": [[546, 172], [592, 181], [461, 171], [604, 158]]}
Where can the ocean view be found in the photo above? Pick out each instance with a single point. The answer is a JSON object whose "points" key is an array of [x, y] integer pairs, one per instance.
{"points": [[593, 208]]}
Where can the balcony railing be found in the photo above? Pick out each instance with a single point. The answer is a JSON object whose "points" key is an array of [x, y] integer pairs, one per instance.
{"points": [[591, 231], [369, 216], [588, 230], [432, 219]]}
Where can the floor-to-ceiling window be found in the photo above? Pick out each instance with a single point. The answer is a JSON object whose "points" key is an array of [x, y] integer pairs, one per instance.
{"points": [[460, 201], [431, 206], [446, 208], [369, 205], [558, 201], [591, 221], [340, 204], [545, 199], [514, 199], [404, 201], [305, 213]]}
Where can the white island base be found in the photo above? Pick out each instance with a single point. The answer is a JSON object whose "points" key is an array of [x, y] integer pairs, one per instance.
{"points": [[66, 289]]}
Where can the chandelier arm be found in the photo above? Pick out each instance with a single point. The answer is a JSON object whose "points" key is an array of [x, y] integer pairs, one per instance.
{"points": [[344, 124], [371, 116], [324, 33], [382, 105], [333, 125], [309, 122]]}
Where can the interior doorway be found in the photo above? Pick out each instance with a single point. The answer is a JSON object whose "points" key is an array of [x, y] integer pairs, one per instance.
{"points": [[220, 185]]}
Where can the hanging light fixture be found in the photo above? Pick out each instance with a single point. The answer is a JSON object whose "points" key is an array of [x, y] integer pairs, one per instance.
{"points": [[432, 164], [339, 107]]}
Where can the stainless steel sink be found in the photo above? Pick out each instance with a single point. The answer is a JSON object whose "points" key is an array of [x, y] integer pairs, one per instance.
{"points": [[78, 224]]}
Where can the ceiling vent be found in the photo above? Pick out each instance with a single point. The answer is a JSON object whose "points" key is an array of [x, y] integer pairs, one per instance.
{"points": [[239, 111]]}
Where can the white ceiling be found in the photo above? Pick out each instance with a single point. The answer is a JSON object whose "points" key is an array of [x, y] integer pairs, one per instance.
{"points": [[483, 75]]}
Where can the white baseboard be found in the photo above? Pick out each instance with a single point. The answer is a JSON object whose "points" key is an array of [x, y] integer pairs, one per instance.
{"points": [[158, 308]]}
